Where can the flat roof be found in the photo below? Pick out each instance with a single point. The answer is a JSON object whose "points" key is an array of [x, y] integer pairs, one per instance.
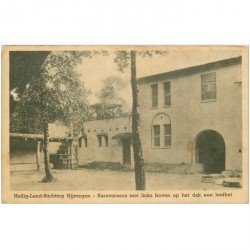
{"points": [[39, 137], [190, 70]]}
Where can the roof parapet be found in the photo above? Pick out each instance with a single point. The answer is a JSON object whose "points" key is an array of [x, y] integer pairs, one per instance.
{"points": [[190, 70]]}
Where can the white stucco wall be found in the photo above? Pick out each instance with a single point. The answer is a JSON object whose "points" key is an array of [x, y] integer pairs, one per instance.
{"points": [[58, 130], [189, 116], [112, 153]]}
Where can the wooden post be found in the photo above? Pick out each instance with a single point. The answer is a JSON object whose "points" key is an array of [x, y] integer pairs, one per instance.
{"points": [[38, 155], [72, 154]]}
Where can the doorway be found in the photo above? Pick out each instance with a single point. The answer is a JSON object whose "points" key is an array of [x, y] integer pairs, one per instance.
{"points": [[210, 151]]}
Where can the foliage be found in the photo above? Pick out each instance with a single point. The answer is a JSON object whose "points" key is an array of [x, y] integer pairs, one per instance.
{"points": [[122, 57], [106, 111], [65, 95], [111, 104], [57, 94], [110, 93], [27, 117], [24, 66]]}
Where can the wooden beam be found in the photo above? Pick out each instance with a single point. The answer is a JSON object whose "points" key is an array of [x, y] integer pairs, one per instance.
{"points": [[38, 155]]}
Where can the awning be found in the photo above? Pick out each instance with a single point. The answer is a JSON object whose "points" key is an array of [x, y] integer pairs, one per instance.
{"points": [[122, 136], [38, 137]]}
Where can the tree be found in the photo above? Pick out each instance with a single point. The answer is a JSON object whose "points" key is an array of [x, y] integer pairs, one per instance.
{"points": [[55, 94], [24, 66], [110, 91], [111, 104], [123, 59]]}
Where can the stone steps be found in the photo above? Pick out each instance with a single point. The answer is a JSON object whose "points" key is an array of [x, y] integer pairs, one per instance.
{"points": [[232, 182], [211, 178], [226, 179], [232, 173]]}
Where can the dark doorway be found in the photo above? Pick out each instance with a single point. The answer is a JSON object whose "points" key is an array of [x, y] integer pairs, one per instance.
{"points": [[22, 152], [210, 151], [126, 152]]}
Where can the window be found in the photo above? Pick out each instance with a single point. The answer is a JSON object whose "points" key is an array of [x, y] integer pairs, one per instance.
{"points": [[103, 139], [85, 141], [161, 131], [167, 93], [167, 135], [157, 135], [80, 141], [99, 140], [154, 89], [208, 86], [106, 140]]}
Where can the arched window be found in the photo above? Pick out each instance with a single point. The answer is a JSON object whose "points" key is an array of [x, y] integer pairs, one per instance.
{"points": [[103, 138], [161, 131]]}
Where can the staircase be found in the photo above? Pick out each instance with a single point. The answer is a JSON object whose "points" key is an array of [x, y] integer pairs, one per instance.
{"points": [[62, 159]]}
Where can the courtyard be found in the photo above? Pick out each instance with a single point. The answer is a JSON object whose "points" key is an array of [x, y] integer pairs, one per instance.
{"points": [[94, 179]]}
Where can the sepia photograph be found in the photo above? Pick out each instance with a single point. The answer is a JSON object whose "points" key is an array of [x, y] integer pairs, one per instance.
{"points": [[127, 119], [124, 125]]}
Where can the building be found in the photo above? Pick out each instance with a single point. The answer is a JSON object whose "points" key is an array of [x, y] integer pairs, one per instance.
{"points": [[26, 150], [193, 119], [190, 121], [106, 141]]}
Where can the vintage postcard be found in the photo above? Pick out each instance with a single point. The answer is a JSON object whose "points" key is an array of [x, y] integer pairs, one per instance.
{"points": [[125, 124]]}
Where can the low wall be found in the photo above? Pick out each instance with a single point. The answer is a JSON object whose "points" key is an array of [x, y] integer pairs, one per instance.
{"points": [[103, 165], [167, 168], [149, 167]]}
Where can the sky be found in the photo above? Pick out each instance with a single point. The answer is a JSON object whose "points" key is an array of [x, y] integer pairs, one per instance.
{"points": [[94, 70]]}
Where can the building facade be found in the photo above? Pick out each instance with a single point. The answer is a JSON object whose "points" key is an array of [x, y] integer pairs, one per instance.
{"points": [[26, 150], [106, 141], [194, 117], [190, 121]]}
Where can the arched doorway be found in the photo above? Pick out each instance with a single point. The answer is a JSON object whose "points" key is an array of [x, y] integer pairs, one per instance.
{"points": [[210, 151], [125, 139]]}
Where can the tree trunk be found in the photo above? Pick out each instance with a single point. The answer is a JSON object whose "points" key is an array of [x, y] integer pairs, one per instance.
{"points": [[140, 180], [48, 175]]}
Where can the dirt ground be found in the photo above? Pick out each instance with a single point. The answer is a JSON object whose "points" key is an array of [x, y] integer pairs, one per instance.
{"points": [[93, 179]]}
